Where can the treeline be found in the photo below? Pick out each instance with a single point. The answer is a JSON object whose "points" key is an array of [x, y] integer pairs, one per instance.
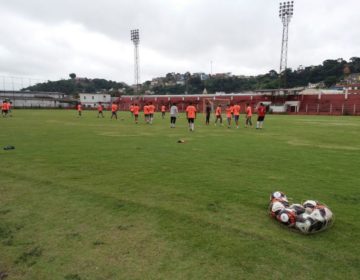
{"points": [[75, 85], [329, 73]]}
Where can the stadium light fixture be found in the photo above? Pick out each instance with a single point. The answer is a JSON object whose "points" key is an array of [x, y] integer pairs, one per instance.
{"points": [[135, 38], [286, 11]]}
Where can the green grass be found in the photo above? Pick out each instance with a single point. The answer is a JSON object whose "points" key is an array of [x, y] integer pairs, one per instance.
{"points": [[88, 198]]}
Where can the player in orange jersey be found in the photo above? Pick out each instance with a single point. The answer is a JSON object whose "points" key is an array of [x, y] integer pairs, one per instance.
{"points": [[114, 109], [136, 110], [191, 116], [132, 109], [151, 112], [218, 114], [79, 109], [100, 110], [4, 109], [229, 112], [163, 109], [146, 113], [248, 115], [236, 110]]}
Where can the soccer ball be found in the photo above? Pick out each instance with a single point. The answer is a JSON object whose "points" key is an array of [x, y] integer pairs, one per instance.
{"points": [[318, 214], [328, 215], [287, 217], [275, 207], [310, 204], [304, 222], [278, 196], [297, 208], [325, 212]]}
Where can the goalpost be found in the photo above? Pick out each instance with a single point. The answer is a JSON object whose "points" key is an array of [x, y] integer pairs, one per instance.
{"points": [[214, 103]]}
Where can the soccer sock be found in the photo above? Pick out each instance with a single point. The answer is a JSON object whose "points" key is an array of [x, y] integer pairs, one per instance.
{"points": [[257, 124]]}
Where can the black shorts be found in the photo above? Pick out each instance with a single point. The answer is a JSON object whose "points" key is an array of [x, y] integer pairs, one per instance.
{"points": [[151, 115], [261, 118], [191, 120], [236, 117]]}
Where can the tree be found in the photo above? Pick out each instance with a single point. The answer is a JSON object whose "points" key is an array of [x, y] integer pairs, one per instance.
{"points": [[72, 76], [330, 81]]}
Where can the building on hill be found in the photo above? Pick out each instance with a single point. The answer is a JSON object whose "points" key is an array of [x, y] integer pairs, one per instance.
{"points": [[316, 85], [201, 75], [91, 100], [352, 88], [353, 78], [222, 75]]}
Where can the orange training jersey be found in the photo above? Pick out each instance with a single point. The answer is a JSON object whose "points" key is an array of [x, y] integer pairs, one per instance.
{"points": [[218, 111], [146, 110], [236, 109], [136, 110], [248, 111], [100, 108], [232, 109], [114, 108], [131, 108], [162, 108], [228, 112], [191, 112], [151, 109], [79, 107]]}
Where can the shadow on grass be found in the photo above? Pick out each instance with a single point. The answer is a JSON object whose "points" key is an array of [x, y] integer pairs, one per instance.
{"points": [[30, 257], [3, 275], [72, 277]]}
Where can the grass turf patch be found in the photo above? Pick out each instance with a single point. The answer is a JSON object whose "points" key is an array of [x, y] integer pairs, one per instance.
{"points": [[88, 198]]}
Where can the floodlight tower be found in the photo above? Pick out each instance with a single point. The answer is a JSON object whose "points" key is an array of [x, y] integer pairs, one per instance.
{"points": [[135, 38], [286, 12]]}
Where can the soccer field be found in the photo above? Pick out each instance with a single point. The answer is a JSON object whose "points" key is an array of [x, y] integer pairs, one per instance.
{"points": [[89, 198]]}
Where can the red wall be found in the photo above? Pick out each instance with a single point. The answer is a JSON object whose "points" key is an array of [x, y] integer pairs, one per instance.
{"points": [[332, 104]]}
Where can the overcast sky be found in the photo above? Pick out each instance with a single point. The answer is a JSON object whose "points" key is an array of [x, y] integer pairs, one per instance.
{"points": [[48, 39]]}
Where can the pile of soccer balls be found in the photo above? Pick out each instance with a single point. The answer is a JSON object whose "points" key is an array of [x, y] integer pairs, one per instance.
{"points": [[309, 217]]}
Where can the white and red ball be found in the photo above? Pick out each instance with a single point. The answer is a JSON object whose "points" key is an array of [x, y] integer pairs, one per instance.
{"points": [[311, 204], [278, 196], [287, 217], [275, 207]]}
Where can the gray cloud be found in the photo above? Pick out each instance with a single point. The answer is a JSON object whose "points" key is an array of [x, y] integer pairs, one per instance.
{"points": [[50, 39]]}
